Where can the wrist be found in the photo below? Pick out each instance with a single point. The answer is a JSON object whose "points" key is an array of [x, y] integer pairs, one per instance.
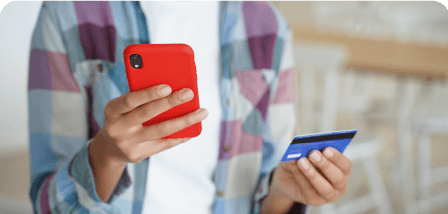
{"points": [[276, 201], [98, 153], [277, 193], [106, 169]]}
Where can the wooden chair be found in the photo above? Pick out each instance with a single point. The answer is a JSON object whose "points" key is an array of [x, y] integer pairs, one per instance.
{"points": [[433, 120], [315, 59]]}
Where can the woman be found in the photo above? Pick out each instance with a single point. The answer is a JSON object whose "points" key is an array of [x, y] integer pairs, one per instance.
{"points": [[89, 152]]}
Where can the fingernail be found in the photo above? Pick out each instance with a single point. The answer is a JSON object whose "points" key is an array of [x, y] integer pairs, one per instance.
{"points": [[315, 156], [164, 90], [202, 114], [304, 163], [328, 152], [185, 95]]}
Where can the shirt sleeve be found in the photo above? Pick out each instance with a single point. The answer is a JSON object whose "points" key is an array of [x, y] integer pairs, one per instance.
{"points": [[281, 123], [61, 174]]}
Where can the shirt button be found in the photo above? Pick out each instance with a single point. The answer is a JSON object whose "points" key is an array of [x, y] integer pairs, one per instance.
{"points": [[228, 101], [220, 193], [226, 148], [260, 190], [263, 78], [100, 67]]}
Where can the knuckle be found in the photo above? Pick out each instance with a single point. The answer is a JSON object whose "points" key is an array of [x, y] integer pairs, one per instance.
{"points": [[188, 121], [311, 174], [111, 129], [172, 101], [349, 166], [156, 132], [345, 162], [127, 101], [168, 145], [329, 193], [346, 169], [341, 180], [191, 121], [334, 199], [133, 157], [122, 146], [321, 201], [178, 141], [151, 93], [324, 164], [175, 142], [315, 202], [107, 120], [143, 111], [108, 109]]}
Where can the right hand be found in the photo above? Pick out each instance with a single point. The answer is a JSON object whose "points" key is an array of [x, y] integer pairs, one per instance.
{"points": [[123, 139]]}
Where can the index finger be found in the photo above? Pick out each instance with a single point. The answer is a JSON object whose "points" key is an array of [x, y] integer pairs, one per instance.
{"points": [[338, 159], [132, 100]]}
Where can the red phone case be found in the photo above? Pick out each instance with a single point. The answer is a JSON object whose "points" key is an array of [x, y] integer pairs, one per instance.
{"points": [[171, 64]]}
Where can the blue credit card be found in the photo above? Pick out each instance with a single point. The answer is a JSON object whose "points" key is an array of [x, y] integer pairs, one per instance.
{"points": [[302, 145]]}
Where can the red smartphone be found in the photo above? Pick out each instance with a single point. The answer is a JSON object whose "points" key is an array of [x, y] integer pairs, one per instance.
{"points": [[148, 65]]}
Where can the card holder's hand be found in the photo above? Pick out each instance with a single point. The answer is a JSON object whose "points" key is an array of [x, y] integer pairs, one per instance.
{"points": [[315, 181]]}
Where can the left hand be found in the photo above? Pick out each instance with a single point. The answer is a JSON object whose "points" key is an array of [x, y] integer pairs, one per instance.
{"points": [[315, 181]]}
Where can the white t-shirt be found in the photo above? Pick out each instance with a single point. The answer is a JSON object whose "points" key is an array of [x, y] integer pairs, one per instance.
{"points": [[180, 178]]}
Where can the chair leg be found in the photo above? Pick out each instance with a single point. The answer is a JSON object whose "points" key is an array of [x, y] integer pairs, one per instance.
{"points": [[404, 139], [377, 186], [308, 99], [424, 171], [330, 100]]}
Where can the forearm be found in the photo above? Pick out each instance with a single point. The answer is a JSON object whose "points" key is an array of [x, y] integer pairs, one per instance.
{"points": [[276, 202], [106, 173]]}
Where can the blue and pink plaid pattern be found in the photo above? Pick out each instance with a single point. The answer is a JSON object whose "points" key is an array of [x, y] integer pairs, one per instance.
{"points": [[76, 67]]}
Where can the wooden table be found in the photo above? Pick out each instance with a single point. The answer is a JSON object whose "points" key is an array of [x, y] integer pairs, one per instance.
{"points": [[388, 57]]}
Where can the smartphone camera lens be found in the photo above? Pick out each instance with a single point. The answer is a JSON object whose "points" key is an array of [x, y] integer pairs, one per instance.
{"points": [[136, 61]]}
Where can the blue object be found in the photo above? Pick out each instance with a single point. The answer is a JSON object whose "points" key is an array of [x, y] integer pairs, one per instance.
{"points": [[301, 146]]}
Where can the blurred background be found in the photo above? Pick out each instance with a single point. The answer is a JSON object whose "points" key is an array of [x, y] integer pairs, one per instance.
{"points": [[379, 67]]}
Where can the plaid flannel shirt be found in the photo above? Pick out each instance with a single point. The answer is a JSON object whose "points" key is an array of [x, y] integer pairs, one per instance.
{"points": [[76, 67]]}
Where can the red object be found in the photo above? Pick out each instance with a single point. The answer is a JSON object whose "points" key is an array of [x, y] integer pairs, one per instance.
{"points": [[171, 64]]}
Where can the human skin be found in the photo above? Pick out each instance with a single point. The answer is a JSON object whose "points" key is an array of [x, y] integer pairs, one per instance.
{"points": [[124, 140], [315, 181]]}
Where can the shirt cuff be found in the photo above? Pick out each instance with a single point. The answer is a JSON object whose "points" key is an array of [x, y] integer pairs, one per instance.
{"points": [[263, 191], [80, 170], [263, 187], [299, 208]]}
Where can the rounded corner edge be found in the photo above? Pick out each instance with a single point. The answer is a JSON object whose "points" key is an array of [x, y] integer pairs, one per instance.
{"points": [[187, 49]]}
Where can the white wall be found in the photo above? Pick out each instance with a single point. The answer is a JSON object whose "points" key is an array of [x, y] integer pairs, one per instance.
{"points": [[17, 20]]}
